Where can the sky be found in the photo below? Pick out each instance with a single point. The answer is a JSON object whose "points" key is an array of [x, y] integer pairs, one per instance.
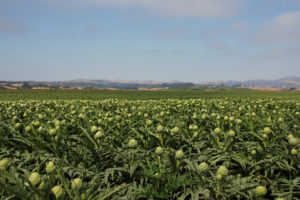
{"points": [[160, 40]]}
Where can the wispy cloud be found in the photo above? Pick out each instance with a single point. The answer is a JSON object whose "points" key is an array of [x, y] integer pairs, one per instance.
{"points": [[13, 27], [240, 26], [180, 33], [221, 46], [175, 8], [172, 52], [180, 52], [95, 29], [154, 51], [280, 54]]}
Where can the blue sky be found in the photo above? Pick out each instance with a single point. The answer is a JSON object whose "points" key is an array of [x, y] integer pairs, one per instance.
{"points": [[163, 40]]}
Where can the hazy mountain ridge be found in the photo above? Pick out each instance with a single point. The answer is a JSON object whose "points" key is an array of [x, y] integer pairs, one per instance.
{"points": [[122, 81], [282, 83], [286, 82]]}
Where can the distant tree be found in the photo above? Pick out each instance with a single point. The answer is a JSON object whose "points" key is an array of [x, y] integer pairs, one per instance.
{"points": [[26, 86]]}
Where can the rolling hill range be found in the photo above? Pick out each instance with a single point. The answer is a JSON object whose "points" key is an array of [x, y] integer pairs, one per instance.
{"points": [[290, 83], [286, 82]]}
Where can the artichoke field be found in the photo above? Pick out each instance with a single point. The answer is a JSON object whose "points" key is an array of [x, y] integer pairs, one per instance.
{"points": [[218, 148]]}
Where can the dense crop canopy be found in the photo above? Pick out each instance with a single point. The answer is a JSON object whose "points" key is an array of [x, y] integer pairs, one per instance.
{"points": [[213, 148]]}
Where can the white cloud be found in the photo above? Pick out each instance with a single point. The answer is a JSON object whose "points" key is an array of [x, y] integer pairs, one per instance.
{"points": [[283, 28], [173, 8]]}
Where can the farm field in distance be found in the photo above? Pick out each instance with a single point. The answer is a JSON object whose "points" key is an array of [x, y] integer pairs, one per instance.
{"points": [[138, 95], [173, 144]]}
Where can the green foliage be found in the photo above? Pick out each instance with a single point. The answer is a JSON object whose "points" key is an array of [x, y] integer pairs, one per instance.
{"points": [[150, 149]]}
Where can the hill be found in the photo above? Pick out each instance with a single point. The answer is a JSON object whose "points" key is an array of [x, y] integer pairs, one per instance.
{"points": [[286, 83]]}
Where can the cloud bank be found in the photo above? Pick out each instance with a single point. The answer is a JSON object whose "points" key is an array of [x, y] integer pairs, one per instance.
{"points": [[284, 28], [172, 8]]}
